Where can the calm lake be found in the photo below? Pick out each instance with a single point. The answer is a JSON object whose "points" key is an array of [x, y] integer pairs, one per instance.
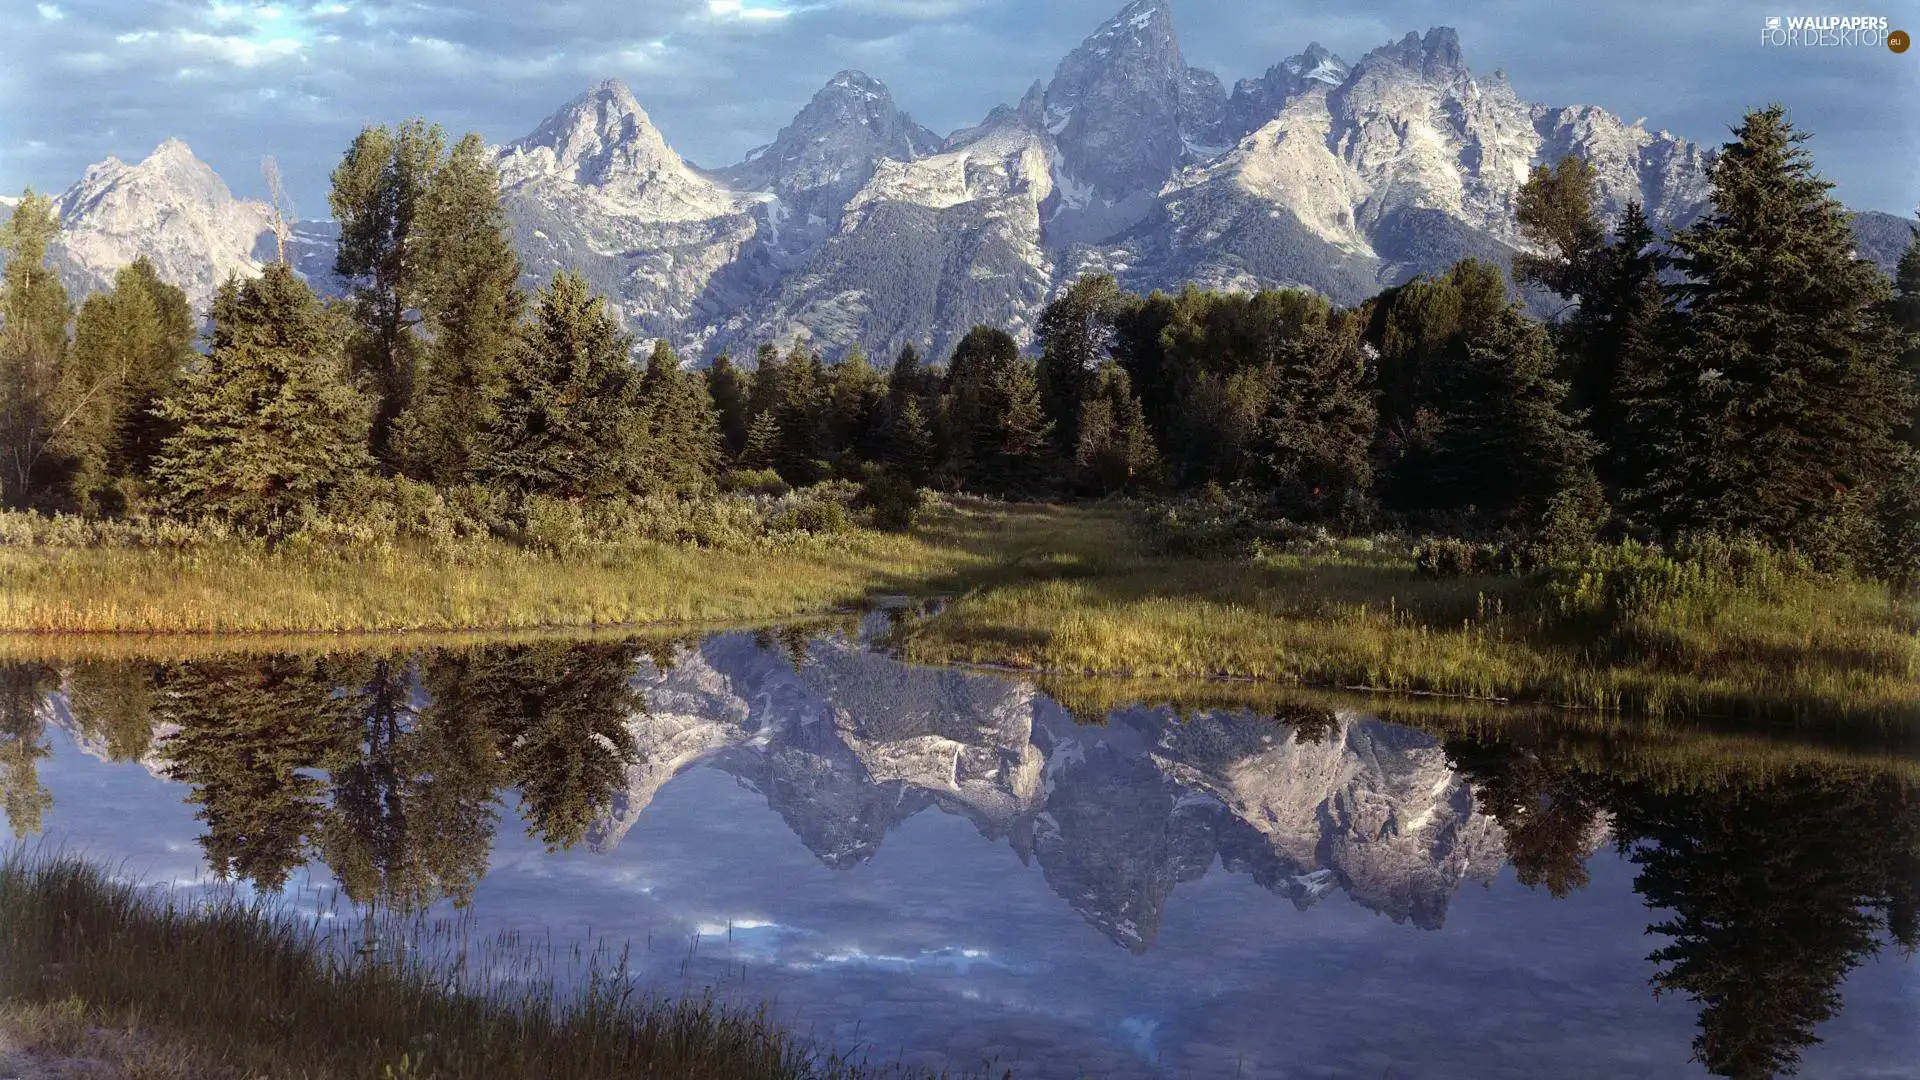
{"points": [[953, 868]]}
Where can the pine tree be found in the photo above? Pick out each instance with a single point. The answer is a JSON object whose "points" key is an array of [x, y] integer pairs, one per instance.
{"points": [[856, 402], [250, 734], [763, 443], [1788, 365], [1115, 451], [570, 423], [801, 416], [130, 346], [907, 442], [1904, 312], [729, 393], [1315, 441], [267, 425], [909, 376], [683, 434], [1555, 212], [113, 703], [377, 194], [1076, 339], [24, 800], [472, 306], [33, 345]]}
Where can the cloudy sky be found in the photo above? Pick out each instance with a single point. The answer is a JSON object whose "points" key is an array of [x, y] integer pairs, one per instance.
{"points": [[82, 79]]}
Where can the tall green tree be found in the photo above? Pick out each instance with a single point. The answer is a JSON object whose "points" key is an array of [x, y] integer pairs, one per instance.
{"points": [[1314, 445], [1115, 450], [907, 442], [570, 422], [472, 306], [1789, 364], [1076, 337], [33, 346], [683, 432], [728, 389], [1557, 215], [802, 415], [377, 195], [24, 800], [130, 346], [267, 425], [856, 411], [251, 737], [995, 433]]}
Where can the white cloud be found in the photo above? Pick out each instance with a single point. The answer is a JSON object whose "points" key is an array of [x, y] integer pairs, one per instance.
{"points": [[50, 13], [742, 9]]}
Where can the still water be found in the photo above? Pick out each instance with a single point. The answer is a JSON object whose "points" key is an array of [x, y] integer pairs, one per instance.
{"points": [[948, 868]]}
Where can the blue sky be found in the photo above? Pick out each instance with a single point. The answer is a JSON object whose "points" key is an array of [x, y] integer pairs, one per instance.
{"points": [[82, 79]]}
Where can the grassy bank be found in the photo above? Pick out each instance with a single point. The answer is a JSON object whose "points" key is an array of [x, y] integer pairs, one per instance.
{"points": [[91, 968], [1079, 591], [1360, 615], [48, 586]]}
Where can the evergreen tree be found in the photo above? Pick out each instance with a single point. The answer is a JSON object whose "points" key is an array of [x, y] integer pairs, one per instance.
{"points": [[130, 346], [1556, 213], [1904, 312], [1789, 365], [570, 423], [378, 191], [1115, 450], [856, 403], [33, 345], [729, 393], [1076, 337], [250, 734], [113, 702], [801, 416], [763, 443], [1899, 504], [267, 425], [909, 376], [24, 800], [765, 390], [1315, 440], [994, 430], [907, 443], [470, 300], [683, 434]]}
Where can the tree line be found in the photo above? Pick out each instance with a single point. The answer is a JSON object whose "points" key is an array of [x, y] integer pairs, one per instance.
{"points": [[1748, 374]]}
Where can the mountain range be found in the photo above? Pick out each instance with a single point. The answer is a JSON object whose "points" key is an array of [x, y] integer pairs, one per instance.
{"points": [[858, 226]]}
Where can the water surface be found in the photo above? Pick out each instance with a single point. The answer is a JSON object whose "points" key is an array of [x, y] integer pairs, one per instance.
{"points": [[948, 868]]}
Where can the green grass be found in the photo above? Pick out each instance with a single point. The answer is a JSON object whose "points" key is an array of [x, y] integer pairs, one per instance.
{"points": [[1068, 590], [219, 988]]}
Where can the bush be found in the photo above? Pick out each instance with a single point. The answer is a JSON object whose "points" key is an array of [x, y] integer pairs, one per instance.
{"points": [[815, 514], [554, 525], [1443, 557], [892, 502], [1617, 584], [755, 482]]}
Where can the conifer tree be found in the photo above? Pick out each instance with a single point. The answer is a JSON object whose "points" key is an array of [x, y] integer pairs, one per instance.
{"points": [[763, 443], [267, 425], [570, 423], [33, 345], [113, 702], [24, 800], [995, 429], [729, 393], [1115, 451], [1076, 339], [909, 376], [1789, 365], [250, 734], [856, 402], [1556, 212], [130, 346], [377, 194], [907, 443], [801, 416], [765, 390], [472, 306], [1315, 439], [683, 434]]}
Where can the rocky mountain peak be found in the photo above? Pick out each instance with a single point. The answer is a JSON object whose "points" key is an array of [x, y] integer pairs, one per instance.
{"points": [[833, 145], [171, 207], [1123, 106], [598, 137], [1435, 56], [1256, 101]]}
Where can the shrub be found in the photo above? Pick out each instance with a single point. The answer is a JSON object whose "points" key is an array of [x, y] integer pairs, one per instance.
{"points": [[892, 502], [817, 514], [755, 482], [554, 525], [1445, 557]]}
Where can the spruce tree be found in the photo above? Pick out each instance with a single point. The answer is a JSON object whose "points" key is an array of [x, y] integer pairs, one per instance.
{"points": [[472, 306], [113, 703], [1115, 451], [1076, 338], [1315, 440], [1789, 366], [683, 434], [24, 800], [909, 376], [130, 346], [729, 393], [267, 424], [33, 345], [801, 414], [907, 443], [570, 423], [377, 194], [763, 443], [856, 405]]}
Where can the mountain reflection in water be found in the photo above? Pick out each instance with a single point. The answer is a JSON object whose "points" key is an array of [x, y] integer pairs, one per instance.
{"points": [[642, 772]]}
